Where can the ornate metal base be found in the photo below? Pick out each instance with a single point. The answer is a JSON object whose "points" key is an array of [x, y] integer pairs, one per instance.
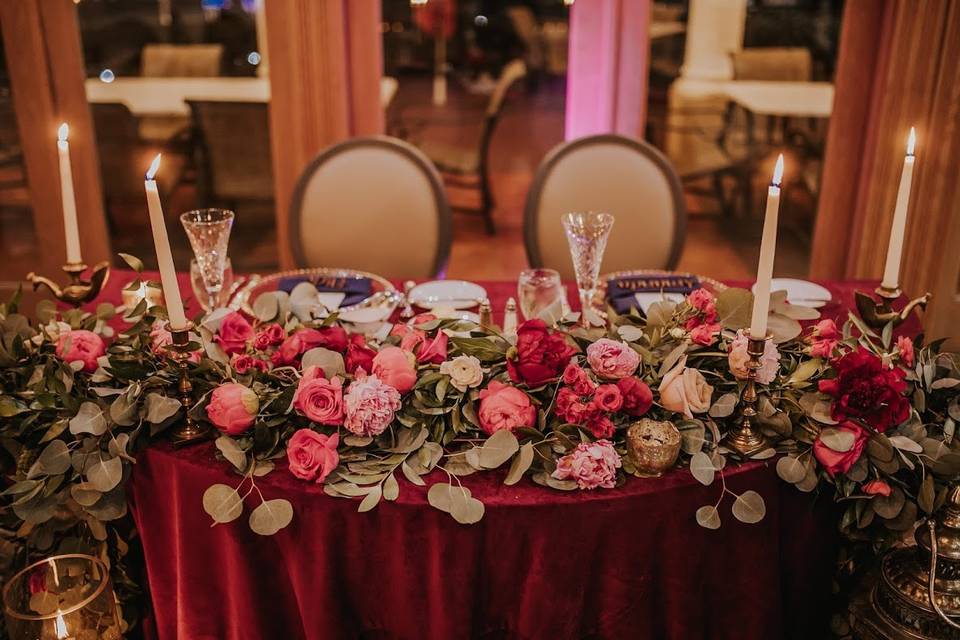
{"points": [[877, 313], [188, 430], [78, 291], [745, 438]]}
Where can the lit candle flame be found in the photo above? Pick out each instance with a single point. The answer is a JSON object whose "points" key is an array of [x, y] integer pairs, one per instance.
{"points": [[62, 132], [778, 171], [60, 627], [911, 141], [154, 166]]}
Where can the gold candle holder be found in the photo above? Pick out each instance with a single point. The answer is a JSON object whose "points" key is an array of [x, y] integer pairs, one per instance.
{"points": [[745, 438], [877, 313], [78, 291], [187, 430]]}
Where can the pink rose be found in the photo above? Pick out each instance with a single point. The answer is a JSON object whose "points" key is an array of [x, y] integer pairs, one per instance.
{"points": [[83, 346], [370, 406], [637, 397], [234, 333], [877, 487], [359, 354], [702, 300], [825, 339], [738, 357], [835, 462], [705, 334], [600, 425], [433, 351], [504, 407], [333, 338], [685, 390], [233, 408], [396, 367], [574, 376], [591, 465], [269, 335], [319, 399], [905, 347], [570, 408], [410, 338], [608, 398], [312, 455], [611, 359], [244, 363]]}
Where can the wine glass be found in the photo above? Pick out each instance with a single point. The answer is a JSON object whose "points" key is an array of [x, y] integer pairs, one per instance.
{"points": [[541, 294], [200, 289], [587, 235], [209, 234]]}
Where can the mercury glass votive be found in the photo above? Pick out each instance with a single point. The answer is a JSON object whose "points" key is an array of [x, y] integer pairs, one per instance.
{"points": [[653, 446]]}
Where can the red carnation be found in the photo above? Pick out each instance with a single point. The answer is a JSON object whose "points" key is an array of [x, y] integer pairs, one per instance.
{"points": [[541, 354], [865, 390]]}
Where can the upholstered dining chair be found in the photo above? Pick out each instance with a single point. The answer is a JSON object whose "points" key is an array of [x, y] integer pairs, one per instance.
{"points": [[375, 204], [625, 177]]}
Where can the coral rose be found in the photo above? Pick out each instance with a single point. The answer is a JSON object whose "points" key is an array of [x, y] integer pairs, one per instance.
{"points": [[835, 462], [569, 407], [590, 465], [233, 408], [684, 390], [705, 334], [80, 345], [637, 396], [824, 339], [319, 399], [396, 367], [244, 363], [433, 351], [905, 347], [312, 455], [359, 354], [269, 335], [370, 406], [234, 333], [738, 357], [611, 359], [505, 407], [540, 356], [866, 390], [465, 372]]}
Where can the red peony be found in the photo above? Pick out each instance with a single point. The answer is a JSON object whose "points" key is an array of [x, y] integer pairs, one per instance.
{"points": [[637, 396], [835, 462], [359, 354], [541, 354], [865, 390]]}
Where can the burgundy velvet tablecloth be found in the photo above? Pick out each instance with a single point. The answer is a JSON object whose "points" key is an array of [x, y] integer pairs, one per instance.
{"points": [[623, 563]]}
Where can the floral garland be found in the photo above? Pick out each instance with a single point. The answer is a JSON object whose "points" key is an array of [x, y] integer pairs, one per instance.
{"points": [[866, 416]]}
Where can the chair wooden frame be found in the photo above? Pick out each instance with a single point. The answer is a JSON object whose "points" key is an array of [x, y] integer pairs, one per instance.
{"points": [[411, 153], [532, 209]]}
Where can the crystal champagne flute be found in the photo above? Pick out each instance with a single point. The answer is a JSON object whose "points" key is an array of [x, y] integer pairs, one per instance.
{"points": [[587, 235]]}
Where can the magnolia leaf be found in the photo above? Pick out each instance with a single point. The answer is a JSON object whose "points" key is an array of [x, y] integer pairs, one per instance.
{"points": [[371, 500], [724, 405], [329, 361], [159, 407], [222, 503], [889, 507], [89, 419], [498, 448], [708, 517], [749, 507], [838, 440], [54, 459], [133, 262], [791, 470], [24, 486], [391, 489], [104, 475], [232, 452], [271, 516], [10, 407], [905, 444], [466, 510], [701, 467], [411, 475], [345, 489], [734, 308], [521, 463]]}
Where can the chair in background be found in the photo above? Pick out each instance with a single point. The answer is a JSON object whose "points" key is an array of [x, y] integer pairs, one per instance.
{"points": [[181, 60], [779, 64], [622, 176], [470, 167], [375, 204], [233, 152]]}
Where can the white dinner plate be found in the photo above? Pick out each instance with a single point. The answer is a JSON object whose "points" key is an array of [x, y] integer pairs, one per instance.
{"points": [[801, 292], [450, 294]]}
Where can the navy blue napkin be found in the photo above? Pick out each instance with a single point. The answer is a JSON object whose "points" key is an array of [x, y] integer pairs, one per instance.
{"points": [[620, 290], [356, 289]]}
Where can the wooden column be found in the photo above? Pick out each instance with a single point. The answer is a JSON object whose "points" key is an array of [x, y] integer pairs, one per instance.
{"points": [[323, 65], [607, 71], [41, 39]]}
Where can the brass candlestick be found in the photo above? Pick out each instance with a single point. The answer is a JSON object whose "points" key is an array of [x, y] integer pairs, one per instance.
{"points": [[188, 430], [78, 291], [877, 313], [745, 438]]}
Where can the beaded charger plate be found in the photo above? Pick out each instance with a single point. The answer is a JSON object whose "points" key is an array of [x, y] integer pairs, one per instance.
{"points": [[658, 278]]}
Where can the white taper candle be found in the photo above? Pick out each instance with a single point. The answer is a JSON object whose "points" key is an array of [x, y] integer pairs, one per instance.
{"points": [[168, 273], [768, 249], [67, 196], [891, 272]]}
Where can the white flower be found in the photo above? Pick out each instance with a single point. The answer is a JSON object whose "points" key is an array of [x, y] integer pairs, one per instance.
{"points": [[464, 372], [676, 333]]}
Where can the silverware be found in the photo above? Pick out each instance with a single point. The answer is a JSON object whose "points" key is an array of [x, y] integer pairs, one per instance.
{"points": [[407, 311]]}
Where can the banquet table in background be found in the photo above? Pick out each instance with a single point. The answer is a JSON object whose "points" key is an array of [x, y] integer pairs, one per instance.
{"points": [[627, 562]]}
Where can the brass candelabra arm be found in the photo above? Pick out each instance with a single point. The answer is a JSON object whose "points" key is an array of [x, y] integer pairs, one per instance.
{"points": [[745, 437], [78, 290], [188, 430], [876, 313]]}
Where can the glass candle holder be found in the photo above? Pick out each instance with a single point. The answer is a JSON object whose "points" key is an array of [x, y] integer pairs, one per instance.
{"points": [[66, 597]]}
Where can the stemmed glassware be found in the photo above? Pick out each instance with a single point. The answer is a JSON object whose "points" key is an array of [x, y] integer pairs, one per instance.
{"points": [[587, 235], [209, 234], [541, 294]]}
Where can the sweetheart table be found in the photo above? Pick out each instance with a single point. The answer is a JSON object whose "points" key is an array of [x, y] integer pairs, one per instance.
{"points": [[626, 562]]}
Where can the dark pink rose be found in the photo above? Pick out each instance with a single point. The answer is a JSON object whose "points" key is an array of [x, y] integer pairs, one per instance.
{"points": [[233, 408], [541, 354], [877, 487], [410, 337], [702, 300], [396, 367], [433, 351], [269, 335], [608, 398], [289, 352], [570, 408], [312, 455], [234, 333], [244, 363], [574, 376], [505, 407], [600, 426], [905, 347], [840, 462], [637, 396], [359, 354], [81, 345], [705, 334], [319, 399]]}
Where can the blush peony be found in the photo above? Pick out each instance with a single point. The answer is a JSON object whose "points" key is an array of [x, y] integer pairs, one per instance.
{"points": [[319, 399], [505, 407], [233, 408], [590, 465], [611, 359], [312, 455], [81, 346], [370, 406], [396, 367]]}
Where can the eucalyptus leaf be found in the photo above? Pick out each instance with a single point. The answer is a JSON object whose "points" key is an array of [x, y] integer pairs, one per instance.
{"points": [[889, 507], [89, 419], [222, 503], [498, 448], [521, 463], [905, 444], [467, 511], [123, 410], [724, 405], [330, 362], [411, 475], [232, 452], [790, 469], [55, 458], [944, 383], [838, 440], [749, 507], [160, 407], [271, 516], [708, 517], [701, 467], [104, 475], [926, 496], [734, 307]]}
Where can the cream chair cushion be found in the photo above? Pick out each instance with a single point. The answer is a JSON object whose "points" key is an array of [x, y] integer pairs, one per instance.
{"points": [[374, 204], [621, 176]]}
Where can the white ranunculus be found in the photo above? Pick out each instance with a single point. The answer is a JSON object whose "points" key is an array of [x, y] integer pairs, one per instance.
{"points": [[464, 371]]}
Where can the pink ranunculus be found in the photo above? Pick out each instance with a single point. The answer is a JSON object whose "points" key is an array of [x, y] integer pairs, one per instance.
{"points": [[269, 335], [244, 363], [319, 399], [298, 343], [637, 396], [80, 345], [234, 333], [574, 376], [505, 407], [685, 390], [396, 367], [877, 487], [312, 455], [738, 357], [433, 351], [835, 462], [233, 408], [611, 359], [370, 406], [359, 354], [591, 465], [705, 334], [608, 397], [905, 347], [824, 339]]}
